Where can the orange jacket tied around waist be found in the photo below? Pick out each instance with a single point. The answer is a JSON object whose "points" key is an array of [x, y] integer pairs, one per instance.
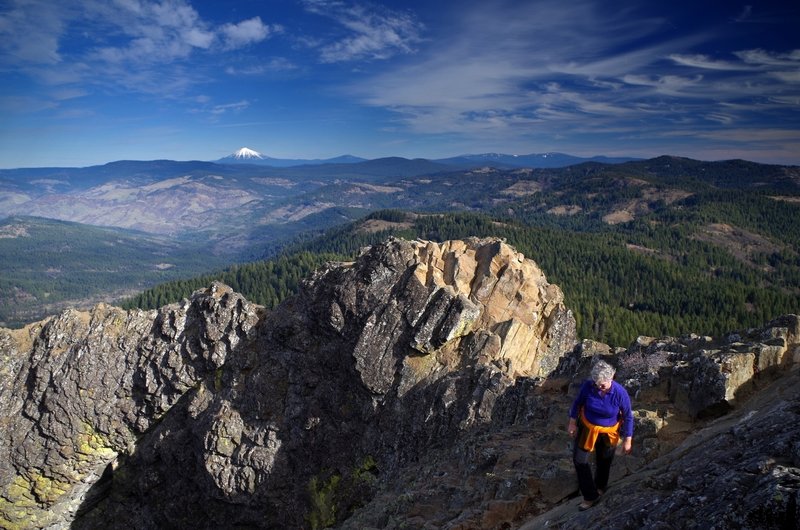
{"points": [[590, 432]]}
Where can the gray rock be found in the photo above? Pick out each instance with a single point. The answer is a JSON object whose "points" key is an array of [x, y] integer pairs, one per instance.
{"points": [[213, 413]]}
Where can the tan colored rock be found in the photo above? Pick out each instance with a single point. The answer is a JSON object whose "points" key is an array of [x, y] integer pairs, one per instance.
{"points": [[515, 300]]}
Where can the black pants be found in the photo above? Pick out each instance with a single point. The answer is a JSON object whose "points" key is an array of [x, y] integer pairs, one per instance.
{"points": [[604, 455]]}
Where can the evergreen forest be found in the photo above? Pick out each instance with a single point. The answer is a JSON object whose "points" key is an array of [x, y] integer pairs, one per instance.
{"points": [[667, 246], [671, 284]]}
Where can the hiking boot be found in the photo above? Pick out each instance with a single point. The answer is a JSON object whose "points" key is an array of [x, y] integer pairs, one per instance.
{"points": [[585, 505]]}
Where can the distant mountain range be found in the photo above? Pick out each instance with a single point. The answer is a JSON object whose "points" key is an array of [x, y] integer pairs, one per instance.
{"points": [[246, 155], [179, 212], [540, 160]]}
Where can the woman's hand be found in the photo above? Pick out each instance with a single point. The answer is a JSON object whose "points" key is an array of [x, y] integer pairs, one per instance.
{"points": [[572, 427], [627, 445]]}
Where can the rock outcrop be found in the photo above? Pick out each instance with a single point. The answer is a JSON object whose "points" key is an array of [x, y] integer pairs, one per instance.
{"points": [[213, 413], [425, 385], [732, 462], [81, 389], [739, 470]]}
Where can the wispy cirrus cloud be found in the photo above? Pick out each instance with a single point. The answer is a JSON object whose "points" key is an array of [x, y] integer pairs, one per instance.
{"points": [[504, 60], [25, 39], [274, 65], [764, 58], [707, 63], [230, 107], [749, 60], [537, 70], [370, 31], [672, 85]]}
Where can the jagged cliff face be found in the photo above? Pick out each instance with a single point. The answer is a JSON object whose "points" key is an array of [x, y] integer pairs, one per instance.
{"points": [[425, 385], [214, 414], [80, 391]]}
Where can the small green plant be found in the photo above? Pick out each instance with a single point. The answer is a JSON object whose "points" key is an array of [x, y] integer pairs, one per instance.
{"points": [[367, 471], [339, 495], [323, 505]]}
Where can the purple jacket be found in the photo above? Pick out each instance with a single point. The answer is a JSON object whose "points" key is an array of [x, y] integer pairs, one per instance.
{"points": [[604, 410]]}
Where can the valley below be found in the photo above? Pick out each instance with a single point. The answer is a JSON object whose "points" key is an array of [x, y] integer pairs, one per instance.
{"points": [[72, 237]]}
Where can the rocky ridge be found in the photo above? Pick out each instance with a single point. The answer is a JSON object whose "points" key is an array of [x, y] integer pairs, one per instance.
{"points": [[214, 412], [424, 385]]}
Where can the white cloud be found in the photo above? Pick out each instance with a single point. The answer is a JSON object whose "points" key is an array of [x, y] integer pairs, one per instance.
{"points": [[278, 64], [373, 32], [724, 119], [199, 38], [501, 62], [749, 60], [71, 48], [752, 135], [69, 93], [744, 14], [792, 76], [245, 33], [760, 57], [672, 85], [230, 107], [24, 104], [137, 45], [150, 32], [706, 62], [27, 39]]}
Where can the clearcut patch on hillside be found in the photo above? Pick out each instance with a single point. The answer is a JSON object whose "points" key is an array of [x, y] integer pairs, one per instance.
{"points": [[522, 188], [295, 213], [649, 252], [570, 209], [379, 225], [742, 245], [783, 198], [618, 216], [627, 211], [13, 231]]}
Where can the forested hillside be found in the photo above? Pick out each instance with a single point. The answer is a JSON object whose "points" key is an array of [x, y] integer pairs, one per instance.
{"points": [[622, 282], [662, 246], [48, 265]]}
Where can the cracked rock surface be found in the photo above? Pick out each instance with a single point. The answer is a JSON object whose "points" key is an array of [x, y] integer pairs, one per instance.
{"points": [[213, 412]]}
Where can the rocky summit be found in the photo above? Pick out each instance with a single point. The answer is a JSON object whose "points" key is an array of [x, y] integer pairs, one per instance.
{"points": [[425, 385]]}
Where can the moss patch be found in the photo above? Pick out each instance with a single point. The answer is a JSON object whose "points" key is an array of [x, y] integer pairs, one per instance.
{"points": [[323, 505], [334, 496]]}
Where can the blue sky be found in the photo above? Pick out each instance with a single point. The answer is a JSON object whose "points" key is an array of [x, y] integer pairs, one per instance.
{"points": [[91, 81]]}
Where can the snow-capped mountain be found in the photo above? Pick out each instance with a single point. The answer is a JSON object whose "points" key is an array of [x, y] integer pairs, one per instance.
{"points": [[245, 155]]}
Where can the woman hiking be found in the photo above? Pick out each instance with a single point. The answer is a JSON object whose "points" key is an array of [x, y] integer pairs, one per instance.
{"points": [[599, 416]]}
